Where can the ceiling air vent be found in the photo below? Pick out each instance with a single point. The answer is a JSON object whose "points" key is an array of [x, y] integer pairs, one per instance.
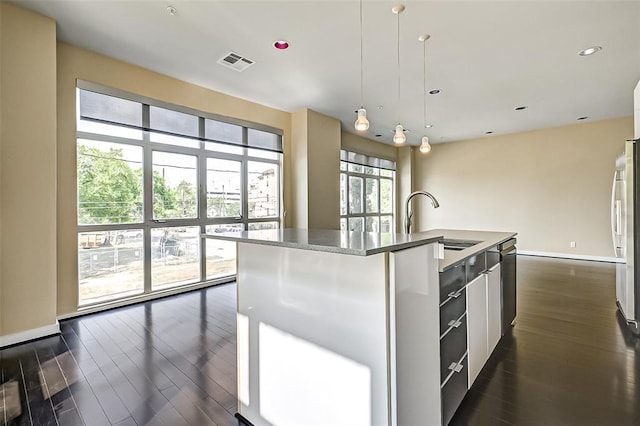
{"points": [[235, 61]]}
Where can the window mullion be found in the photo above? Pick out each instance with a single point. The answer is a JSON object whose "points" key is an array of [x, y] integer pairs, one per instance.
{"points": [[244, 180], [379, 201], [202, 199], [363, 201], [147, 193]]}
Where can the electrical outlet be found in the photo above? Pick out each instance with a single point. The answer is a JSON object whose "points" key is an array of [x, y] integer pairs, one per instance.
{"points": [[572, 244]]}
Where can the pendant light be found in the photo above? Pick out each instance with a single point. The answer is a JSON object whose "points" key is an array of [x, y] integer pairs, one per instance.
{"points": [[362, 124], [424, 146], [399, 137]]}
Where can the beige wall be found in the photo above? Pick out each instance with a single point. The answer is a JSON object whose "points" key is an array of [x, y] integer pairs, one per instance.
{"points": [[27, 170], [361, 145], [404, 184], [316, 168], [323, 171], [636, 111], [299, 210], [552, 186], [75, 63]]}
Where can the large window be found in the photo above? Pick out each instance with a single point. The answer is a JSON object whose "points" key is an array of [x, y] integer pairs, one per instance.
{"points": [[366, 193], [151, 178]]}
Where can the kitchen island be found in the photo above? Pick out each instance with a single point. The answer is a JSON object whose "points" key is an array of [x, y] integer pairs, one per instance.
{"points": [[340, 327]]}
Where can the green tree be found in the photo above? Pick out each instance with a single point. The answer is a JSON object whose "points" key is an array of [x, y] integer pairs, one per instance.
{"points": [[108, 189], [355, 195], [386, 196], [219, 206], [164, 198], [186, 199]]}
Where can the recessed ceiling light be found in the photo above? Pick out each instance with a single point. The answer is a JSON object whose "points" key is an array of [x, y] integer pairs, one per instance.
{"points": [[520, 108], [582, 118], [434, 92], [171, 10], [590, 51], [281, 44], [488, 132], [380, 107], [428, 126]]}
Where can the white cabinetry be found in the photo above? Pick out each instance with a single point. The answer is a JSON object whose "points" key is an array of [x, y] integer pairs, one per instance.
{"points": [[483, 319], [494, 308], [636, 111], [476, 325], [413, 285]]}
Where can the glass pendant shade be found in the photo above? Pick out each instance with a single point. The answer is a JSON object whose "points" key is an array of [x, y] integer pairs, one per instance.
{"points": [[424, 146], [399, 136], [362, 123]]}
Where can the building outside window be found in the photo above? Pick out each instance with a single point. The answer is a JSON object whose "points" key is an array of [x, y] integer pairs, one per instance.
{"points": [[366, 193], [151, 178]]}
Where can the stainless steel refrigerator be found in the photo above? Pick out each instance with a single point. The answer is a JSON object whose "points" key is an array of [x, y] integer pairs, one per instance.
{"points": [[625, 224]]}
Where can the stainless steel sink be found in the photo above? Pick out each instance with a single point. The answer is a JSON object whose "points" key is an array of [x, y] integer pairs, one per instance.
{"points": [[458, 245]]}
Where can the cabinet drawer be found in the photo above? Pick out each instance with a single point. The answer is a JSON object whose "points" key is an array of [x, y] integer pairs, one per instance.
{"points": [[452, 311], [476, 265], [452, 280], [452, 347], [453, 392]]}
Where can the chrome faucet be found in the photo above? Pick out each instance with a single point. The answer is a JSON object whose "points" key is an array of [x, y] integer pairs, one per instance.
{"points": [[407, 215]]}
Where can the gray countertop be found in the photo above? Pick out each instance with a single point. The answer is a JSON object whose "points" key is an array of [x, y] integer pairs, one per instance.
{"points": [[487, 239], [368, 243], [333, 241]]}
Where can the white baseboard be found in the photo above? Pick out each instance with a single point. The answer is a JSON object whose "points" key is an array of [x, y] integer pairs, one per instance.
{"points": [[572, 256], [34, 333]]}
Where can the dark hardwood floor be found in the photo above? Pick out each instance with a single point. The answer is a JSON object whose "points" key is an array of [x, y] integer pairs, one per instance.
{"points": [[166, 362], [569, 361]]}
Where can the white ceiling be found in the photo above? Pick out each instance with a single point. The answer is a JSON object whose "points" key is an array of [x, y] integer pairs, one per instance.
{"points": [[487, 57]]}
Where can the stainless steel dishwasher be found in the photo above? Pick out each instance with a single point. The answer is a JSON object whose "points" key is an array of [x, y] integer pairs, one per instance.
{"points": [[508, 256]]}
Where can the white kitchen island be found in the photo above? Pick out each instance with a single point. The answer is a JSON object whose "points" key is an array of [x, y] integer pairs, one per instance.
{"points": [[324, 320], [338, 328]]}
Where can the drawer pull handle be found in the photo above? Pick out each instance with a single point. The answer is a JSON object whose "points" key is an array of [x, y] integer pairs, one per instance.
{"points": [[454, 323], [456, 367]]}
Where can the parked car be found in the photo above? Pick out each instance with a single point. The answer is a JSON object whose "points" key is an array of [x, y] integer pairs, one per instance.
{"points": [[128, 234], [167, 244]]}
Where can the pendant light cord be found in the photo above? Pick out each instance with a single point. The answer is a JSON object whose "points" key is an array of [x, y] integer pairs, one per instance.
{"points": [[399, 66], [424, 83], [361, 62]]}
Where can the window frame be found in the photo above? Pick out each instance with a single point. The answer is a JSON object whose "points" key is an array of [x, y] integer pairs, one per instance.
{"points": [[346, 171], [203, 152]]}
